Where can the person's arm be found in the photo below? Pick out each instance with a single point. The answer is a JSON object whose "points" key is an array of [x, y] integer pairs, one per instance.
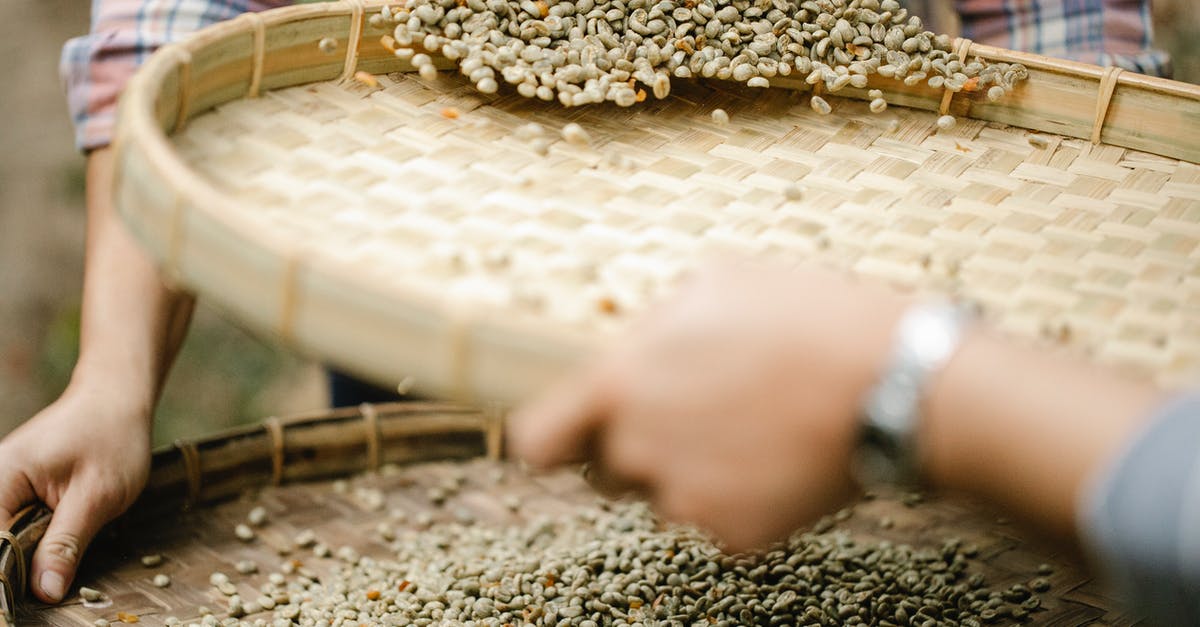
{"points": [[131, 321], [1027, 429], [736, 408], [87, 455]]}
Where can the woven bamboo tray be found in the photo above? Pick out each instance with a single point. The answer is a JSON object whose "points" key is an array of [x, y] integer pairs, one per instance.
{"points": [[287, 466], [377, 229]]}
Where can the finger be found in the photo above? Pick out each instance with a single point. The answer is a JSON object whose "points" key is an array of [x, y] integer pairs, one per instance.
{"points": [[732, 532], [609, 483], [74, 523], [559, 427], [15, 493]]}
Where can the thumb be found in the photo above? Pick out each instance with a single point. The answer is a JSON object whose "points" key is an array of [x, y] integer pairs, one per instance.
{"points": [[74, 523]]}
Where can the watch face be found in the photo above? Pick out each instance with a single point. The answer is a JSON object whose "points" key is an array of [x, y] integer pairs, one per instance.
{"points": [[931, 335]]}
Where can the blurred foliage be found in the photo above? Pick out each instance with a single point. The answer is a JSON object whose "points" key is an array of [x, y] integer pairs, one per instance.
{"points": [[223, 377], [59, 350], [220, 380], [74, 181]]}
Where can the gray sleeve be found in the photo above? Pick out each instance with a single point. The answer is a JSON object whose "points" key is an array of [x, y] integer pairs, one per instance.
{"points": [[1141, 520]]}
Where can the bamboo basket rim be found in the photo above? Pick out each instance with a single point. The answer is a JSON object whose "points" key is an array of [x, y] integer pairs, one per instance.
{"points": [[470, 336]]}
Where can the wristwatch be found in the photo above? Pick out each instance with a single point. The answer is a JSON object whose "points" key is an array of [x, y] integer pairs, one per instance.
{"points": [[925, 338]]}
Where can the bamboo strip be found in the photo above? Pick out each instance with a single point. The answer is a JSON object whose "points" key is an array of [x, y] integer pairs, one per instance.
{"points": [[1108, 84], [259, 30]]}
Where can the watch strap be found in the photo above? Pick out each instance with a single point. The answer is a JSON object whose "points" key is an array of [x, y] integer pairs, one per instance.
{"points": [[926, 336]]}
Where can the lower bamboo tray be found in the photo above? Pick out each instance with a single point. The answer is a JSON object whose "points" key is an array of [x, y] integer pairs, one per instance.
{"points": [[405, 230], [288, 467]]}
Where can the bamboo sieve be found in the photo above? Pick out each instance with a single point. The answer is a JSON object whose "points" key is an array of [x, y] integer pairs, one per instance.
{"points": [[288, 466], [404, 230]]}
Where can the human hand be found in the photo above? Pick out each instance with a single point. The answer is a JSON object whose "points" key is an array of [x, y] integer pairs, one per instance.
{"points": [[733, 406], [87, 457]]}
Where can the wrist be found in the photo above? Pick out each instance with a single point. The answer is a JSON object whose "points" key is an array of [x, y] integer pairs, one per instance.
{"points": [[1025, 428], [113, 393]]}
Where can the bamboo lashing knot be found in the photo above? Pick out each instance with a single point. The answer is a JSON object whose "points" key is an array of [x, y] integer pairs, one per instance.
{"points": [[460, 353], [356, 27], [1108, 85], [175, 244], [191, 465], [288, 298], [259, 30], [371, 425], [962, 48], [274, 428], [117, 147], [494, 432], [184, 58], [19, 556]]}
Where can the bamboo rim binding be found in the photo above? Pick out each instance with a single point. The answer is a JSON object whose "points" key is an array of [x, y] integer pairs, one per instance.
{"points": [[259, 29], [962, 48], [1108, 86], [356, 26]]}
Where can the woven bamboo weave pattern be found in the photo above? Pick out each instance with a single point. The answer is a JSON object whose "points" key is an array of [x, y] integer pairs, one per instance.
{"points": [[429, 186]]}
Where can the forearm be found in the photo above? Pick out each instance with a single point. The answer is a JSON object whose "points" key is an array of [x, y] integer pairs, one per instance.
{"points": [[1026, 429], [132, 323]]}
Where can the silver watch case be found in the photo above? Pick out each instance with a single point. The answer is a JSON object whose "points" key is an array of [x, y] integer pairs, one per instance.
{"points": [[925, 338]]}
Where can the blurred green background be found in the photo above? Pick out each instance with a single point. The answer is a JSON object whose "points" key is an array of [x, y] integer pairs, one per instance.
{"points": [[224, 376]]}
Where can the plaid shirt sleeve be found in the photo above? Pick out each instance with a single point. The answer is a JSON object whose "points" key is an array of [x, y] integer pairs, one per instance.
{"points": [[1141, 516], [1100, 32], [95, 67]]}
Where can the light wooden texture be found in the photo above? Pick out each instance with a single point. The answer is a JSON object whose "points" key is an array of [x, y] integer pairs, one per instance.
{"points": [[358, 223], [200, 541]]}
